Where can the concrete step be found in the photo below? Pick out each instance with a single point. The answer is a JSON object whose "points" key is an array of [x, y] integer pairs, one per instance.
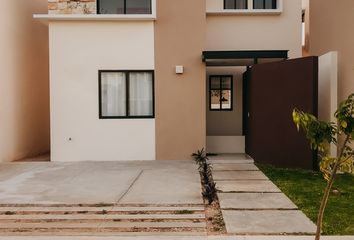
{"points": [[239, 175], [255, 201], [267, 222], [249, 161], [101, 220], [48, 209], [109, 216], [261, 186], [235, 167], [161, 234], [95, 225]]}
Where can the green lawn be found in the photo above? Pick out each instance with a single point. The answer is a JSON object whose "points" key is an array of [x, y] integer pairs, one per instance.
{"points": [[305, 189]]}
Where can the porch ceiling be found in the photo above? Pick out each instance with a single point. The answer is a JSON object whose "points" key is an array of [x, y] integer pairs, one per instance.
{"points": [[243, 58]]}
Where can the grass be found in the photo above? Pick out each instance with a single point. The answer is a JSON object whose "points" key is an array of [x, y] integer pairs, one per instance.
{"points": [[305, 189], [184, 212]]}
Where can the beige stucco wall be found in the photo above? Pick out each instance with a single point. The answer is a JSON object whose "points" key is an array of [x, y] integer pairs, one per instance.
{"points": [[78, 50], [24, 93], [258, 32], [331, 25], [180, 99]]}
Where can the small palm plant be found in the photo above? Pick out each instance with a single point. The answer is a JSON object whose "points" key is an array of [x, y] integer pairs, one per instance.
{"points": [[205, 170], [320, 135]]}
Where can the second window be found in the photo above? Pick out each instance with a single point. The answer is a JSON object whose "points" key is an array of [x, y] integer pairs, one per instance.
{"points": [[235, 4], [221, 93], [265, 4]]}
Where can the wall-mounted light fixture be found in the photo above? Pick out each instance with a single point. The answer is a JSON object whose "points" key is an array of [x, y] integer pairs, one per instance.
{"points": [[179, 69]]}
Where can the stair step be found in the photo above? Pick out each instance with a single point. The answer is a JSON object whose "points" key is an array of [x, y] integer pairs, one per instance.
{"points": [[100, 216], [96, 225], [98, 209]]}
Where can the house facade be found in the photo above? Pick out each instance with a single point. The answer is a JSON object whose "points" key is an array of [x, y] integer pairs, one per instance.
{"points": [[132, 79]]}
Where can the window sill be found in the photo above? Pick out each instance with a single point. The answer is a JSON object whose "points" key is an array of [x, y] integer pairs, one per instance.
{"points": [[127, 118], [232, 12], [95, 17]]}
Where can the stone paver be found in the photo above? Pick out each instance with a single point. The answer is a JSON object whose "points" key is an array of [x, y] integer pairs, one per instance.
{"points": [[239, 175], [255, 201], [235, 167], [251, 204], [247, 186], [267, 222]]}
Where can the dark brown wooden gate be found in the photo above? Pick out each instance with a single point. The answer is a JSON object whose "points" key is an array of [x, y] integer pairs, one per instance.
{"points": [[272, 91]]}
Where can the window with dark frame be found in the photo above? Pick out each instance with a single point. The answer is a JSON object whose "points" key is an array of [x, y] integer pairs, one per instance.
{"points": [[221, 93], [124, 7], [235, 4], [126, 94], [264, 4]]}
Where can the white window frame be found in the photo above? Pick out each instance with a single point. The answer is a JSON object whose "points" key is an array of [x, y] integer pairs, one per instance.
{"points": [[249, 11]]}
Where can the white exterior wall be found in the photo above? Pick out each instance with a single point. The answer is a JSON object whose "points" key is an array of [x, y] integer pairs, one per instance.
{"points": [[328, 90], [226, 144], [255, 31], [78, 51]]}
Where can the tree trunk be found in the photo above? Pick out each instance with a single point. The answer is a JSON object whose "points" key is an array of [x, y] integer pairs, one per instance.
{"points": [[328, 190]]}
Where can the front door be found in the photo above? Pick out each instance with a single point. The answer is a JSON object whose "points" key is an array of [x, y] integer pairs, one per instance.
{"points": [[272, 91]]}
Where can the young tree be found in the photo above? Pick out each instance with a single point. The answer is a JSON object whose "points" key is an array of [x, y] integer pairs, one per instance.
{"points": [[320, 135]]}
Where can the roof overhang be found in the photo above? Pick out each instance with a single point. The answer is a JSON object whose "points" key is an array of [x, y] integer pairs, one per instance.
{"points": [[243, 58]]}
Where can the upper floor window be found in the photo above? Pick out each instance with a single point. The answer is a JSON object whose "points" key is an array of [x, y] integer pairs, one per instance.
{"points": [[235, 4], [124, 6], [264, 4]]}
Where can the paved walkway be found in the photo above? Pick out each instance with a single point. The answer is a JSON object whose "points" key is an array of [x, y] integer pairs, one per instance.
{"points": [[101, 198], [251, 203]]}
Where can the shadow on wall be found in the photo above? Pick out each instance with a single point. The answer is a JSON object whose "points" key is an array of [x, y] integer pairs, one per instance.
{"points": [[25, 89]]}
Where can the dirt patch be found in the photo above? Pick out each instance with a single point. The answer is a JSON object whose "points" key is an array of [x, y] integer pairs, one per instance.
{"points": [[214, 219]]}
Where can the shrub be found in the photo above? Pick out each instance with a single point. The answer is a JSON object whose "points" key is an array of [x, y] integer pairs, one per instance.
{"points": [[320, 135], [205, 170]]}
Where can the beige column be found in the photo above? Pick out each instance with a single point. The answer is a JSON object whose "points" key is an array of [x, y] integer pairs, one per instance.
{"points": [[180, 98]]}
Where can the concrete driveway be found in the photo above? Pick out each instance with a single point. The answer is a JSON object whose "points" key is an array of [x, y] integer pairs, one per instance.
{"points": [[138, 182]]}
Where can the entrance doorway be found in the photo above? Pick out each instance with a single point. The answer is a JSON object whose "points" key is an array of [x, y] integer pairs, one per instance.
{"points": [[224, 109], [225, 96], [257, 120]]}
